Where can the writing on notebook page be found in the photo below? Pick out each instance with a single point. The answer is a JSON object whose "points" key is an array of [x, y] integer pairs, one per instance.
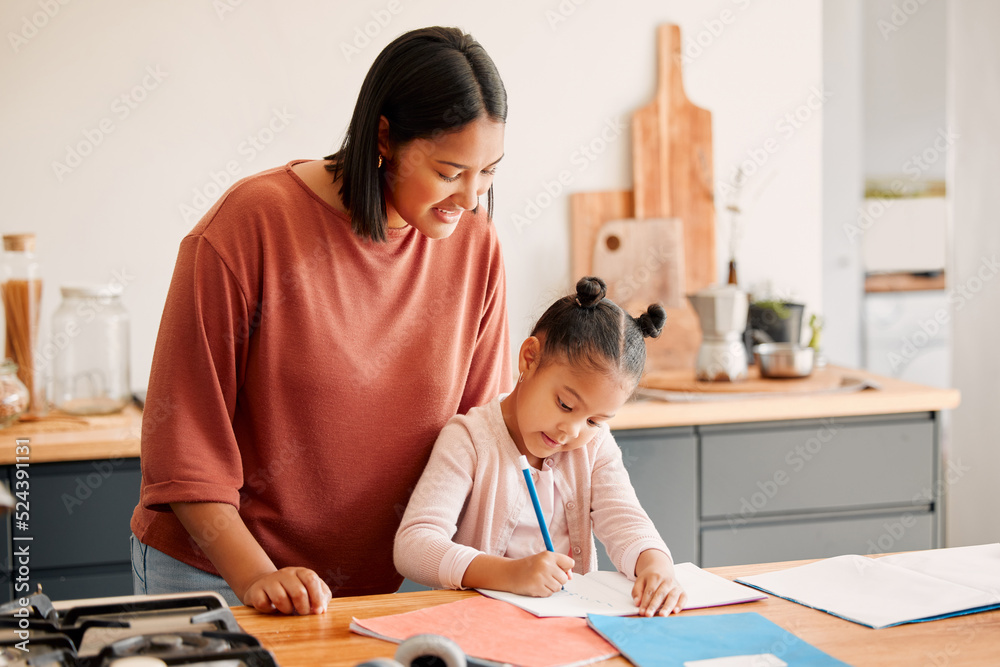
{"points": [[610, 593], [570, 595]]}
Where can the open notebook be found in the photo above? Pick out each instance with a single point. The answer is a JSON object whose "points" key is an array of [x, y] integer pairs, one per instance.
{"points": [[610, 594], [902, 588]]}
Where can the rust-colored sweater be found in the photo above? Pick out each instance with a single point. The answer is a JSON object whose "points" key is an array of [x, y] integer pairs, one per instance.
{"points": [[302, 374]]}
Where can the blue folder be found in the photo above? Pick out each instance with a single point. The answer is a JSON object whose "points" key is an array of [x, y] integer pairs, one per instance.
{"points": [[670, 641]]}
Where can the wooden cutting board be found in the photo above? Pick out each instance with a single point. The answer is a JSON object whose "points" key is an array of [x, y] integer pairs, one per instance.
{"points": [[652, 255], [587, 212], [683, 380], [677, 346], [672, 163]]}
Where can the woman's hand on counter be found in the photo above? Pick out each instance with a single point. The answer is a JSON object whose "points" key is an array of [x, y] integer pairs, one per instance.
{"points": [[290, 590], [219, 531]]}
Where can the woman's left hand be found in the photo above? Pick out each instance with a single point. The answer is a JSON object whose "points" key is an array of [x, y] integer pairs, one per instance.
{"points": [[656, 590]]}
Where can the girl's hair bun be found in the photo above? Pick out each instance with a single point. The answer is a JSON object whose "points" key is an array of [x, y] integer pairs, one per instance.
{"points": [[651, 322], [590, 290]]}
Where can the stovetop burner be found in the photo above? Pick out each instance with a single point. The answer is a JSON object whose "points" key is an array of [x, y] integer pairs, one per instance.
{"points": [[183, 629], [181, 643]]}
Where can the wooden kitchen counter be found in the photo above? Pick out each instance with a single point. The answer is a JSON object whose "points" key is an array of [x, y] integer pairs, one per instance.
{"points": [[62, 437], [327, 640], [68, 438], [893, 396]]}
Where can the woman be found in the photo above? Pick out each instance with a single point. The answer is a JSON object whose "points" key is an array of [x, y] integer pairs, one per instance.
{"points": [[324, 320]]}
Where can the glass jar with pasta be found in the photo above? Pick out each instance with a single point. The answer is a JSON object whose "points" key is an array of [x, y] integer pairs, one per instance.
{"points": [[22, 296]]}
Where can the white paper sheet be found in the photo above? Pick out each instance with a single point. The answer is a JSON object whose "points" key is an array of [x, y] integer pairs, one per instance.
{"points": [[580, 596], [887, 591], [977, 566], [610, 593], [705, 589]]}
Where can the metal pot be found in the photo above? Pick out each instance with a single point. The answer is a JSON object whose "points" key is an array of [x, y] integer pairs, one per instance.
{"points": [[784, 360]]}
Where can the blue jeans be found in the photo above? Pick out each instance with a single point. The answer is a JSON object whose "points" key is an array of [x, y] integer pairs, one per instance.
{"points": [[154, 573]]}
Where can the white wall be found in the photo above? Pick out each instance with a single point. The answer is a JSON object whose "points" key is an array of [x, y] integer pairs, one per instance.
{"points": [[843, 180], [974, 288], [904, 87], [905, 154], [201, 78]]}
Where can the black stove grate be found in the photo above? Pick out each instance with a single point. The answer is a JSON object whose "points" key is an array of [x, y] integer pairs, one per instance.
{"points": [[171, 629]]}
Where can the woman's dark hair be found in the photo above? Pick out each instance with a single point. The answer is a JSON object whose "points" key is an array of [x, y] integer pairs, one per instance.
{"points": [[426, 83], [593, 331]]}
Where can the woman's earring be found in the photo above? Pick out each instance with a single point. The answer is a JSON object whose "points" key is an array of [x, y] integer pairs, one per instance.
{"points": [[379, 166], [520, 377]]}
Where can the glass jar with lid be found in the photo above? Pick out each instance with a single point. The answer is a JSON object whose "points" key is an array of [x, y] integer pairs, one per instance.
{"points": [[90, 339], [22, 296], [13, 393]]}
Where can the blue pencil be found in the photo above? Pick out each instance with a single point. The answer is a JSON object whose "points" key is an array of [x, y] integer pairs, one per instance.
{"points": [[534, 501]]}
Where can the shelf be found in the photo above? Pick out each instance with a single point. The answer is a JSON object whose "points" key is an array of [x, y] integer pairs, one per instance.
{"points": [[904, 282]]}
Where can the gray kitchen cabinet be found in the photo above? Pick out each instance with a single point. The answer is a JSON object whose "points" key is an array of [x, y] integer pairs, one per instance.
{"points": [[78, 527], [732, 494], [662, 464], [95, 581], [796, 539], [789, 467], [5, 561]]}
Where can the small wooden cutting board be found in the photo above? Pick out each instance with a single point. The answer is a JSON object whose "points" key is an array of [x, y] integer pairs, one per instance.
{"points": [[642, 261]]}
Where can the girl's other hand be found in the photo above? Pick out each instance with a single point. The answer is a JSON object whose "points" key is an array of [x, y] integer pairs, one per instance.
{"points": [[540, 575], [290, 590], [656, 590]]}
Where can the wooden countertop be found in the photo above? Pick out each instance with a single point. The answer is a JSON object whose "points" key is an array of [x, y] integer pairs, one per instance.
{"points": [[327, 640], [61, 437], [893, 396]]}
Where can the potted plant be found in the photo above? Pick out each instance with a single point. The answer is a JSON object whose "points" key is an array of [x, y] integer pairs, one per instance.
{"points": [[776, 319]]}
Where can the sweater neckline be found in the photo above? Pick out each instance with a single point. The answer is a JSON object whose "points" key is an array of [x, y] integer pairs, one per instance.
{"points": [[393, 234]]}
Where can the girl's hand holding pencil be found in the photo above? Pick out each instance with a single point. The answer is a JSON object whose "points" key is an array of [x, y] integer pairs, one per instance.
{"points": [[540, 575]]}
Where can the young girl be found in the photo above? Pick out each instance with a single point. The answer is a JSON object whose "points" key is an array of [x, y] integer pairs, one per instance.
{"points": [[470, 522]]}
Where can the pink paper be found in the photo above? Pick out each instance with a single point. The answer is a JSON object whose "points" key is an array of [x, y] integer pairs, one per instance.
{"points": [[494, 630]]}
